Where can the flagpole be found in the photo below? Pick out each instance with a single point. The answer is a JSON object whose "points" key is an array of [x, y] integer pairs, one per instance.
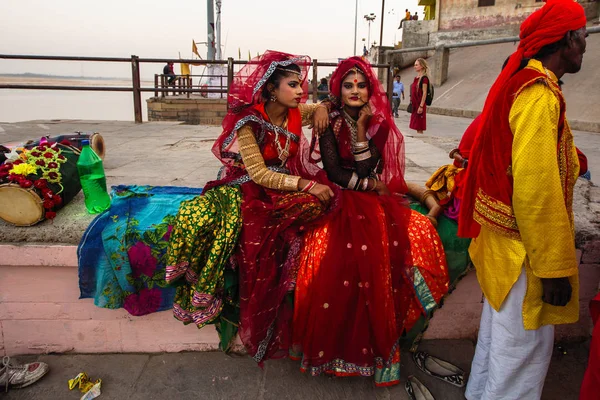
{"points": [[218, 29], [381, 29], [210, 29], [355, 24]]}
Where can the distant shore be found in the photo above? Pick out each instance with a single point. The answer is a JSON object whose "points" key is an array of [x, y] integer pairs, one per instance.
{"points": [[47, 76], [54, 80]]}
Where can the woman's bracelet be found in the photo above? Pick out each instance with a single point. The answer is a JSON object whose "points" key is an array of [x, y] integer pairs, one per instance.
{"points": [[354, 181], [309, 186], [361, 146], [426, 194], [374, 183], [363, 155]]}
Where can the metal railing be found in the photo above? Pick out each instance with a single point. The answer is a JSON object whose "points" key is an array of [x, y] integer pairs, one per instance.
{"points": [[159, 85], [186, 82]]}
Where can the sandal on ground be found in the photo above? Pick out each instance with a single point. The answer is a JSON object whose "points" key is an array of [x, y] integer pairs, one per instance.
{"points": [[416, 390], [439, 369]]}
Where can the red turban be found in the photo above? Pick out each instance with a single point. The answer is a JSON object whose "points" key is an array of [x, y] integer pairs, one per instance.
{"points": [[546, 25]]}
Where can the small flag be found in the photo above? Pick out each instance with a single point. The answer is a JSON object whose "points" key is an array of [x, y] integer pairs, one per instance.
{"points": [[195, 48], [185, 69]]}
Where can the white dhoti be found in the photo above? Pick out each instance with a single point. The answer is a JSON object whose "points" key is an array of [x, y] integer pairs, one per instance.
{"points": [[510, 362]]}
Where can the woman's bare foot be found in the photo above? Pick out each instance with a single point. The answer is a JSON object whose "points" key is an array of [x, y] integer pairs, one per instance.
{"points": [[421, 132]]}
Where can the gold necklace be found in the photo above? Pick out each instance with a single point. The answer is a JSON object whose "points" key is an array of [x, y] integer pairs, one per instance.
{"points": [[353, 126], [282, 152]]}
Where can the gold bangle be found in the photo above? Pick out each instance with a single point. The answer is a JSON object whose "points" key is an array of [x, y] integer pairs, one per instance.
{"points": [[427, 193]]}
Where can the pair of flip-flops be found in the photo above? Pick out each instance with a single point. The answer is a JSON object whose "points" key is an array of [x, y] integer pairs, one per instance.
{"points": [[437, 368]]}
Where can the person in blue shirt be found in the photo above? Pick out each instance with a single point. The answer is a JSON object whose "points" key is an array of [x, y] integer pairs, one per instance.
{"points": [[397, 91]]}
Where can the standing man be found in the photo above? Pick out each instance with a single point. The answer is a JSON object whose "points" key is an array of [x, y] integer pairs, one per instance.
{"points": [[397, 91], [517, 205]]}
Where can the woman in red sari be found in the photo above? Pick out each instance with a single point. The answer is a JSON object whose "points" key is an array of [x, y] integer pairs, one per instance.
{"points": [[374, 267], [418, 92], [265, 192]]}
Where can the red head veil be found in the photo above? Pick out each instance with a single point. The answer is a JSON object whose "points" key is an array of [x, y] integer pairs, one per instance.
{"points": [[544, 26], [244, 93], [391, 146]]}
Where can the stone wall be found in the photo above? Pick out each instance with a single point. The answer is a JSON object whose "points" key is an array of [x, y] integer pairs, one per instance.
{"points": [[469, 35], [465, 14], [195, 110]]}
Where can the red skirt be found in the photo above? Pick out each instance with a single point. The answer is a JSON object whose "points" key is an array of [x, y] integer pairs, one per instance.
{"points": [[268, 245], [418, 122], [365, 277]]}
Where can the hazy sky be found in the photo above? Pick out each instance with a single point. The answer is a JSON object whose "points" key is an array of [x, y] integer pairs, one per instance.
{"points": [[323, 29]]}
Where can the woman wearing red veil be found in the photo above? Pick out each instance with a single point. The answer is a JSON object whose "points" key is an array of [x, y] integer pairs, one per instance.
{"points": [[374, 267], [247, 224]]}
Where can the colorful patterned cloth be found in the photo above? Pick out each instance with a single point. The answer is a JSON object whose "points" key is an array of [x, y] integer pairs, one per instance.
{"points": [[122, 253], [205, 233]]}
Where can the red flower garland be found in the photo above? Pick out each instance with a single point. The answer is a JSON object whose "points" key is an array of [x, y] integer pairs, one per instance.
{"points": [[47, 158]]}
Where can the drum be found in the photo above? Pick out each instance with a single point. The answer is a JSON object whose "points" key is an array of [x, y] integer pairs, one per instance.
{"points": [[28, 198], [75, 140]]}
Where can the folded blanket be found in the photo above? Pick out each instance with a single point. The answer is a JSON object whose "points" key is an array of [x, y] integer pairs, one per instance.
{"points": [[122, 253]]}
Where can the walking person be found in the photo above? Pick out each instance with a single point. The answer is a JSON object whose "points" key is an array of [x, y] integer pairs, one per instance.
{"points": [[517, 205], [418, 95], [397, 91]]}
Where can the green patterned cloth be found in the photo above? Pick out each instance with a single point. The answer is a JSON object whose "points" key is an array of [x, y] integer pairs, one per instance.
{"points": [[458, 260], [204, 236]]}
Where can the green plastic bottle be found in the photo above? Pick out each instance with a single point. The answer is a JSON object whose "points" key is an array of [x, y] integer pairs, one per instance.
{"points": [[93, 180]]}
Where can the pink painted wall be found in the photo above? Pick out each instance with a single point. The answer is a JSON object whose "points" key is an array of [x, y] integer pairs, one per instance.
{"points": [[40, 311]]}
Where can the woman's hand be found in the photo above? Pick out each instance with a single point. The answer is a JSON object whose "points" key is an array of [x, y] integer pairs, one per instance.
{"points": [[322, 192], [420, 110], [320, 120], [381, 188], [364, 115]]}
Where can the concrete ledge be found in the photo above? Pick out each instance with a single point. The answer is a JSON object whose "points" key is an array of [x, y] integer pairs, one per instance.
{"points": [[42, 255], [40, 311]]}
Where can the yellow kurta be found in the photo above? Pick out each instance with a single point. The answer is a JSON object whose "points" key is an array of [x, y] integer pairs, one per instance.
{"points": [[547, 245]]}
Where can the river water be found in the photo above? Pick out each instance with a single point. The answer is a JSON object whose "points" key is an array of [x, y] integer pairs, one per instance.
{"points": [[18, 105]]}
